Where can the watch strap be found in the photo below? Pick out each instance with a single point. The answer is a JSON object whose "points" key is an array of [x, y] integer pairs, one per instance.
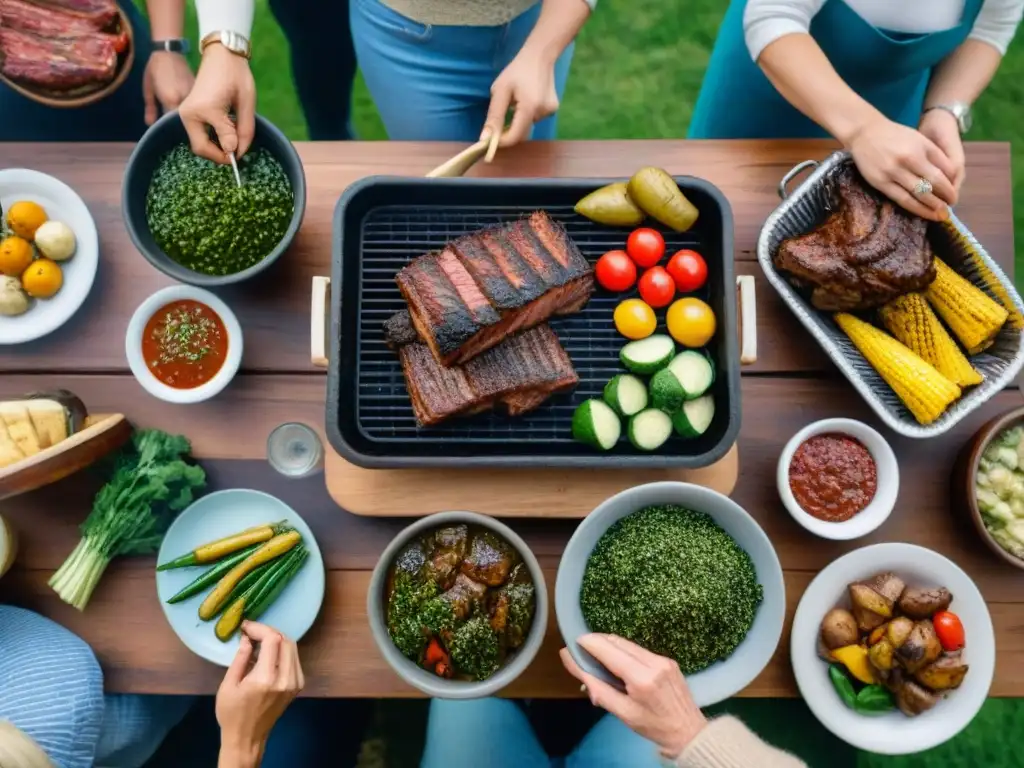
{"points": [[237, 43], [172, 45], [960, 112]]}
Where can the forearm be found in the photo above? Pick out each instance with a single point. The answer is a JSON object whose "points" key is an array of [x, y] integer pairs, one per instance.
{"points": [[220, 15], [964, 74], [801, 72], [166, 18], [234, 755], [557, 26]]}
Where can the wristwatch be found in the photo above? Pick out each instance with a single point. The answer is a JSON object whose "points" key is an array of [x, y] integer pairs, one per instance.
{"points": [[959, 110], [234, 42], [171, 45]]}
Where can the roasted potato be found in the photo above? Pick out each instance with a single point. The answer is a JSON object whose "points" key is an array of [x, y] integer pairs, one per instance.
{"points": [[923, 603], [944, 674], [898, 630], [877, 634], [839, 629], [881, 655], [913, 699], [870, 608], [888, 585], [921, 648]]}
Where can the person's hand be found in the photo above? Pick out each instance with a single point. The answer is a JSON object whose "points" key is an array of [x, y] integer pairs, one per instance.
{"points": [[527, 84], [942, 128], [249, 701], [657, 703], [894, 158], [224, 84], [165, 83]]}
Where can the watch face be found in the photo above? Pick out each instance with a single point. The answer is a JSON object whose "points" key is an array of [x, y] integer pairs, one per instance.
{"points": [[966, 120]]}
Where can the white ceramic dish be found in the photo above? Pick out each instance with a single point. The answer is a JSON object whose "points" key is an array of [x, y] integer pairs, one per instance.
{"points": [[893, 733], [133, 345], [215, 516], [881, 506], [61, 203], [724, 678]]}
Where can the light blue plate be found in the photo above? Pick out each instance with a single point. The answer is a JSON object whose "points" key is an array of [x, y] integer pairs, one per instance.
{"points": [[215, 516]]}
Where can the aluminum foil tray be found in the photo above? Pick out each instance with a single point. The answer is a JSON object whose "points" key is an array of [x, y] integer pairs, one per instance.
{"points": [[806, 208]]}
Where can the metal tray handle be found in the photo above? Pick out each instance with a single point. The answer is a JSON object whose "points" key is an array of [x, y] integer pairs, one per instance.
{"points": [[320, 314], [795, 171]]}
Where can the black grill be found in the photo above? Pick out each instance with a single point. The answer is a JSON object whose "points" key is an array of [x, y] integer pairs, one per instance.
{"points": [[382, 224]]}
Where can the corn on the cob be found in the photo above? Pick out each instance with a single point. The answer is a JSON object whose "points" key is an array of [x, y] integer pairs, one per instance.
{"points": [[912, 321], [968, 311], [925, 391]]}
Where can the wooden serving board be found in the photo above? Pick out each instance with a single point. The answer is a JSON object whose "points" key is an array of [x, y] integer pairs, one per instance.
{"points": [[545, 493], [100, 435]]}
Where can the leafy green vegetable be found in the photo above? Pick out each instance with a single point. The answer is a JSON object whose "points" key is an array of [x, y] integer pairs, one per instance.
{"points": [[203, 220], [474, 649], [873, 699], [843, 685], [415, 611], [151, 483], [672, 581]]}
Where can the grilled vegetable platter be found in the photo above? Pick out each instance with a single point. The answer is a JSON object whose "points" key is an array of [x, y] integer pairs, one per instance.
{"points": [[238, 556], [896, 292], [525, 326]]}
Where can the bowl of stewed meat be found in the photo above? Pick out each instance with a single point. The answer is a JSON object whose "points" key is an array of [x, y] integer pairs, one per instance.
{"points": [[838, 478], [184, 345], [458, 605]]}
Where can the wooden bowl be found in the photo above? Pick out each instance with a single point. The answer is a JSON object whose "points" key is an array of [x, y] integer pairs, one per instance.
{"points": [[85, 95], [101, 435], [966, 469]]}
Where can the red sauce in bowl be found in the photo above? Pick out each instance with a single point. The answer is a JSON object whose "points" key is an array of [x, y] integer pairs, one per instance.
{"points": [[185, 344], [833, 477]]}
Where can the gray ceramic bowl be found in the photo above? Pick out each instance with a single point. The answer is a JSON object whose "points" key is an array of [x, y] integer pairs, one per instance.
{"points": [[419, 678], [722, 679], [165, 134]]}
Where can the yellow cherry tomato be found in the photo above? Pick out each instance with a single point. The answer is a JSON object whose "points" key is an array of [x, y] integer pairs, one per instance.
{"points": [[691, 322], [635, 319]]}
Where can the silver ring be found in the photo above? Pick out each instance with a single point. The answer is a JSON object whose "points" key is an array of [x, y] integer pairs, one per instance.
{"points": [[923, 187]]}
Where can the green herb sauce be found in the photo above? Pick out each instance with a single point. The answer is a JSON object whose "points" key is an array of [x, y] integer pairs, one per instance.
{"points": [[415, 612], [204, 221], [672, 581], [475, 650]]}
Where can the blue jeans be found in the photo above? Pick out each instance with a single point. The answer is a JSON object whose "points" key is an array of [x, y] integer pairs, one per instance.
{"points": [[434, 82], [494, 733]]}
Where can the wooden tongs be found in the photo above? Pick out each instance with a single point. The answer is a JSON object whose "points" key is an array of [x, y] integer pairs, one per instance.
{"points": [[467, 158]]}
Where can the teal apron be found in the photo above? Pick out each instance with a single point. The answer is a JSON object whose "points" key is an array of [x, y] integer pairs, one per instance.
{"points": [[889, 70]]}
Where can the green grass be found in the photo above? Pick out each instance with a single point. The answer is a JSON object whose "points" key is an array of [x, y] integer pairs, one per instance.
{"points": [[636, 74]]}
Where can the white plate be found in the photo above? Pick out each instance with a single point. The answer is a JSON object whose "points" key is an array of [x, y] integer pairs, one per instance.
{"points": [[61, 203], [893, 733], [215, 516]]}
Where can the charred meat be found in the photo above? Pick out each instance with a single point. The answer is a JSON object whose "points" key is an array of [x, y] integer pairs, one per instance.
{"points": [[865, 254], [488, 285], [449, 547], [489, 559]]}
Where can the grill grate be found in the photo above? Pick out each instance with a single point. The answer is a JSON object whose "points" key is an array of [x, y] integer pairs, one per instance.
{"points": [[389, 222]]}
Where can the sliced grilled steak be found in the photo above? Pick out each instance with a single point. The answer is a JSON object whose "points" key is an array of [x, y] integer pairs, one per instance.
{"points": [[489, 285], [101, 13], [519, 374], [869, 252], [56, 64], [53, 23]]}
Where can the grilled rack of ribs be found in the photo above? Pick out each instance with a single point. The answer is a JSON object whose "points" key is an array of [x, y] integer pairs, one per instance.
{"points": [[518, 375], [483, 287], [867, 253]]}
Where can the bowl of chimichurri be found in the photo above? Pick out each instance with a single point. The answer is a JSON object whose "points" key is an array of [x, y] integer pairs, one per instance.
{"points": [[457, 605], [191, 220]]}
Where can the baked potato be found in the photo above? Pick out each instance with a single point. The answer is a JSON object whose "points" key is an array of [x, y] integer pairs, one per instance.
{"points": [[924, 603], [881, 656], [921, 648], [839, 629], [944, 674]]}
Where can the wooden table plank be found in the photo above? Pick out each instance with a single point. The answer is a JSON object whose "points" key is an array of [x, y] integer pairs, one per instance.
{"points": [[274, 308]]}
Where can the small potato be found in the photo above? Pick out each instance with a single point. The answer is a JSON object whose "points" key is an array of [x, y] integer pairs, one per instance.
{"points": [[839, 629], [923, 603], [913, 699], [870, 608], [888, 585], [944, 674], [921, 648], [898, 630], [881, 655]]}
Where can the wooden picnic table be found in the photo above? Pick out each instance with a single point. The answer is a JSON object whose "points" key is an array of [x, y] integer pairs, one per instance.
{"points": [[792, 384]]}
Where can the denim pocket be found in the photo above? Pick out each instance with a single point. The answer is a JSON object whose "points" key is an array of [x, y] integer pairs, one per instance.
{"points": [[392, 22]]}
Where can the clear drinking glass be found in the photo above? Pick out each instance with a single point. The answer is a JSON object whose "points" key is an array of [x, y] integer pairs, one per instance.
{"points": [[295, 450]]}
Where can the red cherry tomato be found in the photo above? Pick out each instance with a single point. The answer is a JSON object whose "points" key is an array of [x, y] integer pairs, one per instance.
{"points": [[949, 629], [688, 270], [645, 246], [616, 271], [656, 287]]}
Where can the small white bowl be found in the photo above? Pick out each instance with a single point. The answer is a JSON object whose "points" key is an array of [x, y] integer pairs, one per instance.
{"points": [[133, 345], [881, 506]]}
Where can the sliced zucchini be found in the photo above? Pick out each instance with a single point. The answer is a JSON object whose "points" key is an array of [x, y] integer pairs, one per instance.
{"points": [[596, 424], [649, 429], [626, 394], [648, 355], [667, 393], [694, 418], [694, 371]]}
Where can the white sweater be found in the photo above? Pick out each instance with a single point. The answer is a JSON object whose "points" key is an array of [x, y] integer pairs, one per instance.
{"points": [[765, 21]]}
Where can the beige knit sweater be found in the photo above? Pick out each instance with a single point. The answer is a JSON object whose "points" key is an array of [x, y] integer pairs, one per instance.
{"points": [[727, 743], [465, 13]]}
